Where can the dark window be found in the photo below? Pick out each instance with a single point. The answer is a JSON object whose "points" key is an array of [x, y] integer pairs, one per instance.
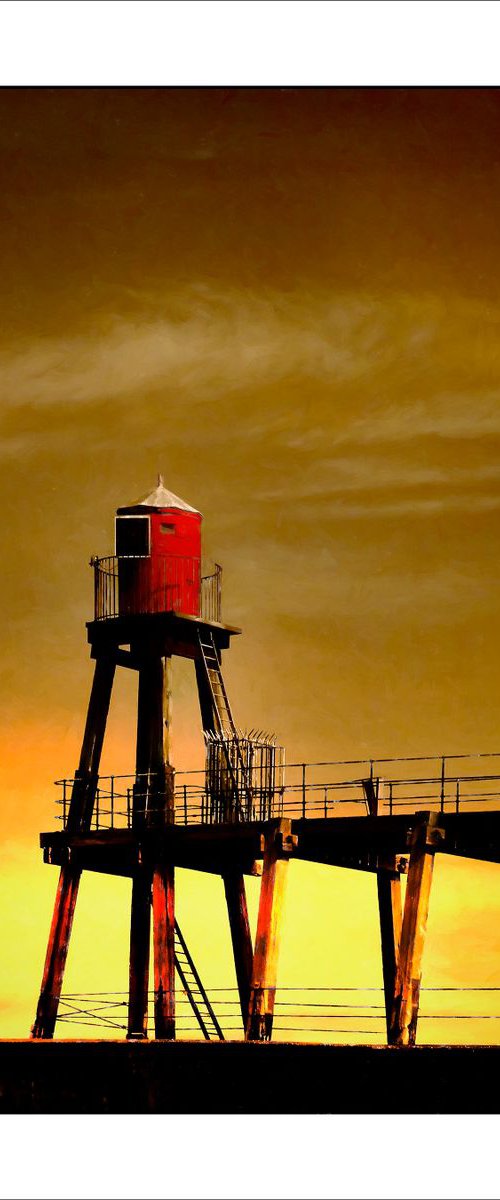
{"points": [[132, 537], [167, 528]]}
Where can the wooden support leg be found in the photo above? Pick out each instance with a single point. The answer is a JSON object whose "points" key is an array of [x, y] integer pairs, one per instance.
{"points": [[79, 818], [205, 698], [426, 837], [389, 906], [265, 959], [234, 887], [57, 950], [164, 961], [153, 808], [85, 783], [153, 792], [140, 927]]}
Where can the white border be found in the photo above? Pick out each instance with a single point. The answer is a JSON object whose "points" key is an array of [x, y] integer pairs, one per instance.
{"points": [[249, 42]]}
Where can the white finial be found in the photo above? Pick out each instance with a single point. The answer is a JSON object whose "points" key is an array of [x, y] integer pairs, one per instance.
{"points": [[160, 480]]}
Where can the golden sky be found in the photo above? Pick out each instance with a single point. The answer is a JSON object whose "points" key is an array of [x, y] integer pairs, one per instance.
{"points": [[287, 301]]}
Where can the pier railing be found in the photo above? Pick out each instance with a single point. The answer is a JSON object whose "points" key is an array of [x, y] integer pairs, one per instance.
{"points": [[132, 586], [450, 783], [337, 1014]]}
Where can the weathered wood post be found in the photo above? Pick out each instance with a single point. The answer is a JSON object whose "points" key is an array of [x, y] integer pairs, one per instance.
{"points": [[57, 951], [234, 887], [140, 928], [164, 878], [153, 809], [79, 818], [164, 960], [425, 839], [390, 916], [389, 906], [279, 843]]}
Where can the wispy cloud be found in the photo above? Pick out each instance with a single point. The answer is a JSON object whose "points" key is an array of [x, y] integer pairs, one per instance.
{"points": [[203, 341], [362, 389], [232, 343], [458, 415]]}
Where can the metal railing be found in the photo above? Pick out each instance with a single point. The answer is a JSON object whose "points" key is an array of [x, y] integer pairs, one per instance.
{"points": [[167, 583], [453, 783]]}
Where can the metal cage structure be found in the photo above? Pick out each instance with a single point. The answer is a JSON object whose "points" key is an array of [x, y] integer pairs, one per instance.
{"points": [[243, 775]]}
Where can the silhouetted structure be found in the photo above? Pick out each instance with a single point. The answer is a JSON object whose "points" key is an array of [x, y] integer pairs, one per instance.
{"points": [[154, 600]]}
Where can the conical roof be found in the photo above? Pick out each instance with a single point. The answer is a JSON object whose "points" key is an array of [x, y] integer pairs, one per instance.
{"points": [[160, 498]]}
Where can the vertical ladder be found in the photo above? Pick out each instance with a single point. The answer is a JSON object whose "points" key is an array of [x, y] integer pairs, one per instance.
{"points": [[194, 989], [222, 712]]}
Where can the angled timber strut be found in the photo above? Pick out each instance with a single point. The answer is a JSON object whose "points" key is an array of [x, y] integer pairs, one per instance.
{"points": [[155, 601]]}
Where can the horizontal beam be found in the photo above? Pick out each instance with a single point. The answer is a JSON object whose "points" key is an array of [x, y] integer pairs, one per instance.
{"points": [[122, 658], [468, 835], [355, 843], [124, 859]]}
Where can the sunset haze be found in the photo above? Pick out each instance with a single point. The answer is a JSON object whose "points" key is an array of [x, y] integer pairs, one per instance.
{"points": [[287, 302]]}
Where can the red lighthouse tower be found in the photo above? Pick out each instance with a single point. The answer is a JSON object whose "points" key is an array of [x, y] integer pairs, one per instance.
{"points": [[158, 546]]}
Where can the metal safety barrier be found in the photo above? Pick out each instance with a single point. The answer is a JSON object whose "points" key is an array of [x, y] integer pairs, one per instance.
{"points": [[173, 583], [450, 783]]}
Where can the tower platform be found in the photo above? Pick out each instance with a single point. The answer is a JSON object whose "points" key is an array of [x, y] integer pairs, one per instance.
{"points": [[170, 633]]}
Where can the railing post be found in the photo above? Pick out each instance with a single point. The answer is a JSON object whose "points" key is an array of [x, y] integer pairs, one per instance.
{"points": [[390, 799], [303, 790], [64, 804], [97, 808], [94, 562], [128, 808], [443, 770], [112, 801], [185, 806], [457, 798]]}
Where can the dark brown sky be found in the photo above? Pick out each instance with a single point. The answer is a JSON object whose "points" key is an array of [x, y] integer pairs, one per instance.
{"points": [[287, 301], [110, 193]]}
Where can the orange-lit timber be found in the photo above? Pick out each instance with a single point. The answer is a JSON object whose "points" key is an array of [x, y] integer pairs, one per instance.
{"points": [[57, 950], [154, 601], [153, 808], [426, 836], [279, 843], [79, 819], [164, 949]]}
